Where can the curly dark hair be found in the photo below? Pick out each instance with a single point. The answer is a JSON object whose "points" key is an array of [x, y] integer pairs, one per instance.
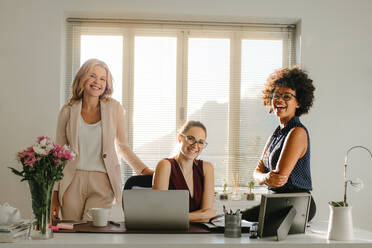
{"points": [[295, 79]]}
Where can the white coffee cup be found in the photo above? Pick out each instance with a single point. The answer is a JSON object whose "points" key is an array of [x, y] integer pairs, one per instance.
{"points": [[99, 216]]}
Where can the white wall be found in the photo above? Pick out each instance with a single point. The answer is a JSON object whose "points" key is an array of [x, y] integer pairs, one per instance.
{"points": [[335, 49]]}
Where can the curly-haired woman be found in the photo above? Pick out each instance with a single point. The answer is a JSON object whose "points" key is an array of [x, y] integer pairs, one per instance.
{"points": [[285, 163]]}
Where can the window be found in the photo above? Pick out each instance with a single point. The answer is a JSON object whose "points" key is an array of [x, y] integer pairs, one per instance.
{"points": [[168, 72], [208, 97], [154, 98]]}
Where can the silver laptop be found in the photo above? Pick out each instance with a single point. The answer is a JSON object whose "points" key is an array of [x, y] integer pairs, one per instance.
{"points": [[156, 209]]}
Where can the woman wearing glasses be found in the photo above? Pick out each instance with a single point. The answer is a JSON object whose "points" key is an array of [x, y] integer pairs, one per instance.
{"points": [[285, 163], [184, 171]]}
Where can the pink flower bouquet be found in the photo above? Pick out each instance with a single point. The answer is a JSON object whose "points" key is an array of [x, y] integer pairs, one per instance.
{"points": [[42, 166], [43, 161]]}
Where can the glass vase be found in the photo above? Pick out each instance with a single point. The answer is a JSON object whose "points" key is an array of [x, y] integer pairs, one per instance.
{"points": [[41, 195]]}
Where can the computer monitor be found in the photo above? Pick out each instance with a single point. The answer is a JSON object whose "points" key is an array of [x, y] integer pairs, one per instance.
{"points": [[283, 214]]}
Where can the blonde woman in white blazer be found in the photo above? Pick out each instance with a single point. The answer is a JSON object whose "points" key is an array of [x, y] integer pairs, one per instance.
{"points": [[92, 123]]}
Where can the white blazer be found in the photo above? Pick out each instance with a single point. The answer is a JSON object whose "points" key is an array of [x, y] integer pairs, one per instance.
{"points": [[113, 133]]}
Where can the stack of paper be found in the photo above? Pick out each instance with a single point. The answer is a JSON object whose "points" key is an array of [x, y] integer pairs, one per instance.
{"points": [[14, 232]]}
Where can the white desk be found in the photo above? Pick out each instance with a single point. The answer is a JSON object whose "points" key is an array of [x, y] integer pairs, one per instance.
{"points": [[309, 240]]}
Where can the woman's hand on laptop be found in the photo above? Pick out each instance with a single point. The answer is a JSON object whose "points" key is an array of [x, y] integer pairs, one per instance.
{"points": [[202, 215]]}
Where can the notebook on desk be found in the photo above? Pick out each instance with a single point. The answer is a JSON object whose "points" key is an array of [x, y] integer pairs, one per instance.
{"points": [[156, 209]]}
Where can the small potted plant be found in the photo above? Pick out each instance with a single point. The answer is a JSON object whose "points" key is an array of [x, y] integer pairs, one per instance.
{"points": [[250, 195], [357, 185], [224, 195], [340, 226]]}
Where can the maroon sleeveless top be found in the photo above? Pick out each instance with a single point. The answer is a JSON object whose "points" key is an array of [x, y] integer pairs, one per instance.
{"points": [[177, 181]]}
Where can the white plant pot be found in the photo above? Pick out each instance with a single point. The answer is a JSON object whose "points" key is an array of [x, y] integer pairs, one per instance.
{"points": [[340, 226]]}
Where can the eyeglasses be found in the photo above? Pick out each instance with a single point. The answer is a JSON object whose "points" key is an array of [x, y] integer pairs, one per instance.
{"points": [[192, 140], [286, 96]]}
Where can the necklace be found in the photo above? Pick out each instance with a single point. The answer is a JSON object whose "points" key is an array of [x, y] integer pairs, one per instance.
{"points": [[187, 174]]}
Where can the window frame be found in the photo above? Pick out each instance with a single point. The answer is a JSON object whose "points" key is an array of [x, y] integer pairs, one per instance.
{"points": [[129, 29]]}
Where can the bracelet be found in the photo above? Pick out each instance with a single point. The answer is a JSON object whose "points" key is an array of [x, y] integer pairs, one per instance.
{"points": [[143, 170]]}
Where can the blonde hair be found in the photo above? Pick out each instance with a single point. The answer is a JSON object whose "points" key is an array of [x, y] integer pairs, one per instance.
{"points": [[81, 77]]}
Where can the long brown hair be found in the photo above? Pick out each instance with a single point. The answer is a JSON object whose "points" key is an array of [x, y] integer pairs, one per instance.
{"points": [[189, 124], [81, 77]]}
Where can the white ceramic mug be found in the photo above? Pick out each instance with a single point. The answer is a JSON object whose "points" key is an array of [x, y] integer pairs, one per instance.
{"points": [[99, 216]]}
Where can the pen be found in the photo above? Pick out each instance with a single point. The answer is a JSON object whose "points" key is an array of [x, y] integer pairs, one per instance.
{"points": [[224, 209], [79, 223], [114, 223]]}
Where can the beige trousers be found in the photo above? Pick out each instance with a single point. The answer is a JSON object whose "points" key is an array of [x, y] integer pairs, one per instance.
{"points": [[88, 189]]}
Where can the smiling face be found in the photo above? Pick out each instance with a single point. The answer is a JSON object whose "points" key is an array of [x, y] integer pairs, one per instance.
{"points": [[188, 150], [284, 103], [95, 82]]}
